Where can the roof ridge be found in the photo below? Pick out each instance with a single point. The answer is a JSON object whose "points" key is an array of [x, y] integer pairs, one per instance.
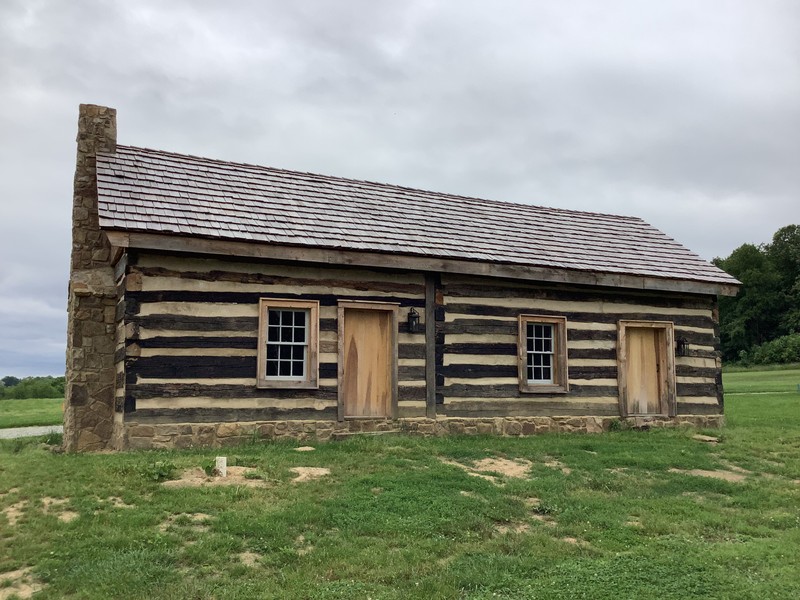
{"points": [[573, 211]]}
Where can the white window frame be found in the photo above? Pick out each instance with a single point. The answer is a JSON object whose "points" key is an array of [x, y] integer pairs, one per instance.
{"points": [[310, 377], [559, 382]]}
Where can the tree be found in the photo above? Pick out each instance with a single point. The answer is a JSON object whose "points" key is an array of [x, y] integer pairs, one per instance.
{"points": [[10, 381], [768, 304]]}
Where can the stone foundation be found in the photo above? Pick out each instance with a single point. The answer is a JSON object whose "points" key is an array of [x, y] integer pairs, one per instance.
{"points": [[215, 435]]}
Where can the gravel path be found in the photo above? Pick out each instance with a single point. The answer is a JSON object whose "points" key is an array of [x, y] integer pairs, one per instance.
{"points": [[18, 432]]}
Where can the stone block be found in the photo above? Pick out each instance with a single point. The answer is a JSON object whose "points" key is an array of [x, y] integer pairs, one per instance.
{"points": [[139, 443], [485, 428], [141, 431], [528, 428], [225, 430], [513, 428]]}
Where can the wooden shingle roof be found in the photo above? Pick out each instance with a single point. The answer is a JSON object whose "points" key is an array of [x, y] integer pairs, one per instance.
{"points": [[142, 190]]}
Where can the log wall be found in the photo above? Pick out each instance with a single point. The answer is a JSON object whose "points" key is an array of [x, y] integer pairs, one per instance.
{"points": [[189, 334], [192, 336], [480, 329]]}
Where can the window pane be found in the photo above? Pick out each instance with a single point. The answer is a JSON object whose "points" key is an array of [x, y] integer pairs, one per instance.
{"points": [[285, 352], [529, 332], [288, 317], [300, 318], [297, 368], [285, 369], [272, 368], [274, 317], [286, 334], [273, 334], [272, 352], [546, 360], [530, 373], [299, 334], [298, 352], [538, 345]]}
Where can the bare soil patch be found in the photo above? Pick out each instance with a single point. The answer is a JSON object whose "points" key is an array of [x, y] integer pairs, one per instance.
{"points": [[302, 545], [309, 473], [18, 584], [718, 474], [14, 512], [9, 492], [249, 559], [557, 464], [706, 438], [304, 449], [546, 520], [197, 478], [512, 528], [517, 468], [118, 502]]}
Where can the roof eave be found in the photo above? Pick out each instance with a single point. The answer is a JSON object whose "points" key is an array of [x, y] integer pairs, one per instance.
{"points": [[218, 247]]}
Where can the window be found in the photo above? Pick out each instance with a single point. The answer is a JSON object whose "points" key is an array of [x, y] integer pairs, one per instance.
{"points": [[287, 343], [542, 354]]}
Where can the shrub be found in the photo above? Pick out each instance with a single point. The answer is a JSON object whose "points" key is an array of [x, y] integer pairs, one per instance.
{"points": [[785, 349]]}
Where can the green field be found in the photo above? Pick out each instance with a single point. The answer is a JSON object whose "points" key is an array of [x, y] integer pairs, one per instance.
{"points": [[618, 515], [34, 411]]}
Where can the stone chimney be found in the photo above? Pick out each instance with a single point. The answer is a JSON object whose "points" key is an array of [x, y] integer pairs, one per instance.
{"points": [[90, 376]]}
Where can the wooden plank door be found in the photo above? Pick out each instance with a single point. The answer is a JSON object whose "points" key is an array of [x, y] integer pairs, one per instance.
{"points": [[644, 395], [367, 385], [646, 368]]}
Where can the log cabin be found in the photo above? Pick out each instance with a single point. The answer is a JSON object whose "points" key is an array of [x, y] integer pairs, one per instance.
{"points": [[212, 302]]}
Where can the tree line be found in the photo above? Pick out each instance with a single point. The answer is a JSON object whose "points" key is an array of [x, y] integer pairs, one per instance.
{"points": [[31, 387], [761, 324]]}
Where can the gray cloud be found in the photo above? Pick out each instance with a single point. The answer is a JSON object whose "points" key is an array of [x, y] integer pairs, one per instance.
{"points": [[684, 113]]}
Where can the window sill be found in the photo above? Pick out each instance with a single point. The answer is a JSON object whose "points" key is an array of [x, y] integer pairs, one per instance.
{"points": [[526, 388], [267, 384]]}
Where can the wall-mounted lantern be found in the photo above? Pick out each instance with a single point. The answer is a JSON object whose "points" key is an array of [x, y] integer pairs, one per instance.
{"points": [[682, 347], [413, 321]]}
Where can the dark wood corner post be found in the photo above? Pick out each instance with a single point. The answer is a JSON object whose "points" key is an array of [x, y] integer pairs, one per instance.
{"points": [[90, 374], [434, 343]]}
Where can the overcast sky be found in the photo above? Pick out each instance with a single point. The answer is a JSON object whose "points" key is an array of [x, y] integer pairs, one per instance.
{"points": [[684, 113]]}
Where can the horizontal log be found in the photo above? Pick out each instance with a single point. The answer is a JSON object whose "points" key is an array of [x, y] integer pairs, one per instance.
{"points": [[191, 323], [287, 280], [690, 408], [150, 416], [680, 320], [254, 297], [687, 371], [142, 391], [460, 390], [481, 349], [527, 408], [478, 371], [482, 289], [696, 389], [592, 372], [199, 341], [204, 367], [593, 353]]}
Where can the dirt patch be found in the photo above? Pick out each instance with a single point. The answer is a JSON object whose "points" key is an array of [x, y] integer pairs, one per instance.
{"points": [[49, 503], [532, 502], [557, 464], [735, 468], [197, 522], [708, 439], [18, 584], [718, 474], [544, 519], [9, 492], [14, 512], [302, 545], [249, 559], [197, 478], [309, 473], [512, 528], [518, 468], [305, 449], [618, 470], [634, 522], [67, 516]]}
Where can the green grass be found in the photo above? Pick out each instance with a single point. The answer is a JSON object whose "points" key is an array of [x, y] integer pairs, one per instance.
{"points": [[29, 412], [753, 381], [392, 521]]}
